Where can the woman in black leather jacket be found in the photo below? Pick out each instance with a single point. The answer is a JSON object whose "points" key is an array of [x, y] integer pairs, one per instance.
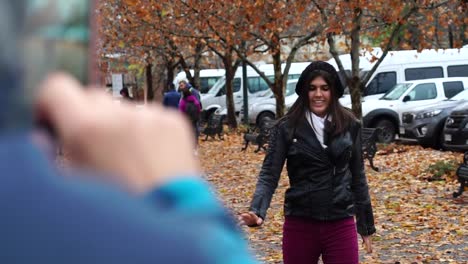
{"points": [[320, 139]]}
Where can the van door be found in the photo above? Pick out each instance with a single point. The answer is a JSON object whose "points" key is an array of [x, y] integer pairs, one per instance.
{"points": [[419, 95]]}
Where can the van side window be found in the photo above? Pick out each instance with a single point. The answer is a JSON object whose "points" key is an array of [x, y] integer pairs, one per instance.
{"points": [[206, 83], [452, 88], [423, 73], [457, 71], [424, 91], [293, 76], [257, 84], [381, 83], [236, 85]]}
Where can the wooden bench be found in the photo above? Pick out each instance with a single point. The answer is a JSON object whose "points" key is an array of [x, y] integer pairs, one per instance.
{"points": [[369, 146], [462, 174], [259, 137], [214, 127]]}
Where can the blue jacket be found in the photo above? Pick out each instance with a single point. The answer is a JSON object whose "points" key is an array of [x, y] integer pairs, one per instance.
{"points": [[48, 218], [171, 99]]}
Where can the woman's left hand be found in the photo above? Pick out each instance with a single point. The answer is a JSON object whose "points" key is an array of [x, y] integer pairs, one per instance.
{"points": [[366, 241]]}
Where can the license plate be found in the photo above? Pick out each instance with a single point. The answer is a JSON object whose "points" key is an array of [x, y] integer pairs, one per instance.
{"points": [[448, 137], [402, 130]]}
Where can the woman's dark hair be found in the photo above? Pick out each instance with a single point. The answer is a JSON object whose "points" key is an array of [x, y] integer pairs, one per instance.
{"points": [[124, 92], [340, 116], [170, 86], [186, 92]]}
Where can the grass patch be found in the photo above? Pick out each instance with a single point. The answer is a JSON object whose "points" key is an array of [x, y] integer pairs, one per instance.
{"points": [[442, 170]]}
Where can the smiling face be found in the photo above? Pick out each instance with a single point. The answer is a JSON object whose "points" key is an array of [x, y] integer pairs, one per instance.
{"points": [[319, 96]]}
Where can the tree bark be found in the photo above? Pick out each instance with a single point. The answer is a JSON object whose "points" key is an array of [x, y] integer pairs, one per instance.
{"points": [[149, 81], [170, 73], [230, 72], [355, 81], [196, 65], [278, 88]]}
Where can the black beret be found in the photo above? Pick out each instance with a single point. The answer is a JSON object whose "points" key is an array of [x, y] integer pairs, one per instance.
{"points": [[320, 66]]}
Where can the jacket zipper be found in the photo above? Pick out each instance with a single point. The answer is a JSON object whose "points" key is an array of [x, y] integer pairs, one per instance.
{"points": [[310, 153], [331, 192]]}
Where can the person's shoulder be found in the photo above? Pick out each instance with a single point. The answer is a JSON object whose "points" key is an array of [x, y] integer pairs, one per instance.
{"points": [[284, 124]]}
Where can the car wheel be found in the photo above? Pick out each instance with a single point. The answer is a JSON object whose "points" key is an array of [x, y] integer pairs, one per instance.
{"points": [[265, 116], [440, 143], [387, 131]]}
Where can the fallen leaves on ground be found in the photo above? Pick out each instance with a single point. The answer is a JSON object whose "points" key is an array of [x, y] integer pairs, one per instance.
{"points": [[417, 220]]}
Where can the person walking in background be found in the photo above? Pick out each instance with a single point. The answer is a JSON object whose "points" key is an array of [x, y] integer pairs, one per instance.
{"points": [[321, 141], [190, 106], [171, 97], [185, 85]]}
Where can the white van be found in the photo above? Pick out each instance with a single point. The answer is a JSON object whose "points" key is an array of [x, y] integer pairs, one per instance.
{"points": [[208, 77], [215, 99], [406, 65], [263, 108], [386, 112]]}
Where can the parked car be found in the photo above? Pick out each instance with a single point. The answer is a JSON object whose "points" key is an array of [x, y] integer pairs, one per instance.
{"points": [[386, 112], [456, 129], [266, 107], [426, 124]]}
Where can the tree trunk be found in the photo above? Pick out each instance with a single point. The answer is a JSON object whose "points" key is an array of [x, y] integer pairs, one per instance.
{"points": [[355, 81], [149, 81], [355, 91], [170, 73], [196, 65], [230, 71], [186, 69], [278, 88]]}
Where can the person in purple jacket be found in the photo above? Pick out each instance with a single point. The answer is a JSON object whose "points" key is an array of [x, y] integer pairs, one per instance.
{"points": [[190, 106], [128, 199]]}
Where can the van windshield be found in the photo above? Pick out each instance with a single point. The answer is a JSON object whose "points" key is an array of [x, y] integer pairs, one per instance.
{"points": [[290, 88], [397, 91], [214, 90]]}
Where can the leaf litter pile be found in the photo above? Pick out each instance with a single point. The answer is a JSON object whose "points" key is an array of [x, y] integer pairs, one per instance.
{"points": [[417, 219]]}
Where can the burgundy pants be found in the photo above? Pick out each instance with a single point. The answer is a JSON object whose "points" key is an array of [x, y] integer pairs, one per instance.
{"points": [[304, 240]]}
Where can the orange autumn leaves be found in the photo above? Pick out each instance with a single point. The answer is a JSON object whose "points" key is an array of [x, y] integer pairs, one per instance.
{"points": [[417, 220]]}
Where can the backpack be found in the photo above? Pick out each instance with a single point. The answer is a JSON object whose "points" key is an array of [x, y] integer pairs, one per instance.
{"points": [[192, 112]]}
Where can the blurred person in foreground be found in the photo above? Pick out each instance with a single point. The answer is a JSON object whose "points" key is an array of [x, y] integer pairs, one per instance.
{"points": [[129, 199]]}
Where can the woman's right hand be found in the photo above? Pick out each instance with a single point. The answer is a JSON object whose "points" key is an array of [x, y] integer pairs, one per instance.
{"points": [[250, 219]]}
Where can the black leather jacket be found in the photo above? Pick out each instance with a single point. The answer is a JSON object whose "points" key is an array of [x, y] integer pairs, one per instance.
{"points": [[325, 184]]}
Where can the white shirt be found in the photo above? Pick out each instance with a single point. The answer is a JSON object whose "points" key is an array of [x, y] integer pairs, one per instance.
{"points": [[318, 125]]}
